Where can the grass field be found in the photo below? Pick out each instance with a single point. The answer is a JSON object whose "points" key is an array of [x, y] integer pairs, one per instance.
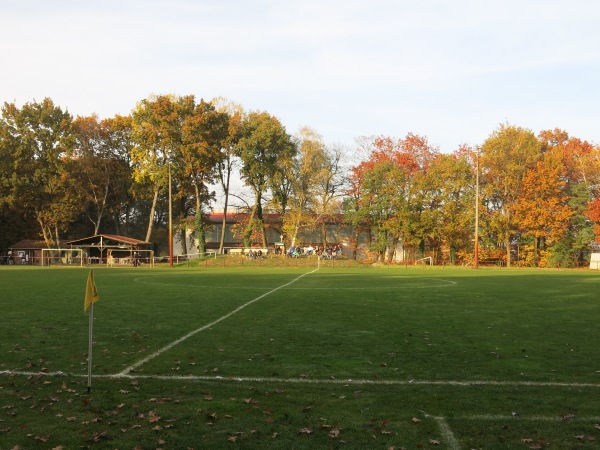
{"points": [[298, 358]]}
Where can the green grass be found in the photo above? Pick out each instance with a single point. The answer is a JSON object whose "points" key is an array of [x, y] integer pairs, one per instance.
{"points": [[345, 357]]}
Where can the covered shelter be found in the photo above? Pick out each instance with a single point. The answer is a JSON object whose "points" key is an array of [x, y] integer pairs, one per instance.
{"points": [[25, 252], [112, 249]]}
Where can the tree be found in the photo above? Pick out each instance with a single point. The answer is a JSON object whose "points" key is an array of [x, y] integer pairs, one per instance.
{"points": [[302, 175], [36, 139], [157, 136], [264, 148], [542, 210], [386, 193], [228, 160], [506, 156], [582, 176], [101, 154], [329, 183], [119, 139], [204, 134], [449, 198]]}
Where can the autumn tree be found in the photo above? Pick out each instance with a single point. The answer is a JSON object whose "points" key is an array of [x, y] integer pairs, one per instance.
{"points": [[101, 153], [448, 196], [264, 148], [389, 199], [505, 158], [329, 184], [581, 163], [303, 174], [36, 139], [204, 134], [228, 160], [157, 136], [542, 210]]}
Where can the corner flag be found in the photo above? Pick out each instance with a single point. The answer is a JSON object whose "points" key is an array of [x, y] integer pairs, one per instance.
{"points": [[91, 297], [91, 292]]}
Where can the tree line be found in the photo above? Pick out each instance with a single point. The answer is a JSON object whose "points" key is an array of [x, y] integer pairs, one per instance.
{"points": [[64, 177], [537, 198]]}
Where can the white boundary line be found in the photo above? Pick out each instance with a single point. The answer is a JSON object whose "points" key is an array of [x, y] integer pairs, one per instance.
{"points": [[447, 283], [198, 330], [446, 432], [324, 381]]}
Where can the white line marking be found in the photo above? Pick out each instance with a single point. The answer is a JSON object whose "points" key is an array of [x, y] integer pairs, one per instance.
{"points": [[342, 381], [530, 418], [446, 283], [447, 433], [192, 333]]}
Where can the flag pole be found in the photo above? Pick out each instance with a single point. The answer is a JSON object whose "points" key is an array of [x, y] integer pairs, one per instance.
{"points": [[90, 341]]}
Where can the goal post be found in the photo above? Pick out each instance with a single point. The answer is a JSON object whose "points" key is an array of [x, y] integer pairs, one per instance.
{"points": [[422, 260], [61, 257]]}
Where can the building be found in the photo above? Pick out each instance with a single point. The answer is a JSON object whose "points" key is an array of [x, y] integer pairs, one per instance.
{"points": [[98, 249], [337, 232]]}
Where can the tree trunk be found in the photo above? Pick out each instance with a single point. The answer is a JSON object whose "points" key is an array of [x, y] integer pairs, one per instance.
{"points": [[507, 243], [224, 221], [46, 235], [225, 185], [392, 249], [324, 232], [200, 233], [57, 236], [259, 217], [200, 228], [249, 228], [152, 210]]}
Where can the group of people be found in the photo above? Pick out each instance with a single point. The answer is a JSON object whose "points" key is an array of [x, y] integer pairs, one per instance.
{"points": [[255, 254], [9, 259], [329, 252]]}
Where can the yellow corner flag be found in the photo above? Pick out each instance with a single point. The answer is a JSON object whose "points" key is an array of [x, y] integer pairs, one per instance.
{"points": [[91, 292]]}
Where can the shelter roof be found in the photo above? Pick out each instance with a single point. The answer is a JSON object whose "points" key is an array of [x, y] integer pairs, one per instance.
{"points": [[29, 244], [107, 240]]}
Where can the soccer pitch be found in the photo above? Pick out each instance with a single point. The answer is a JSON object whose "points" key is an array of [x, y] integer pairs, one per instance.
{"points": [[249, 357]]}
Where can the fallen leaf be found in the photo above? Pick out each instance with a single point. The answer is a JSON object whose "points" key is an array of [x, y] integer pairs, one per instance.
{"points": [[415, 420], [98, 436], [334, 433], [44, 438], [434, 442], [232, 438], [306, 430]]}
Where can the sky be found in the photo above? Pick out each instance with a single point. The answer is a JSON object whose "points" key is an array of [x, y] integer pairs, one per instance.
{"points": [[449, 70]]}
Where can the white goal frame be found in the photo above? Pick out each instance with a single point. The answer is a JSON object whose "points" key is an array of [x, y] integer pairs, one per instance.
{"points": [[67, 256]]}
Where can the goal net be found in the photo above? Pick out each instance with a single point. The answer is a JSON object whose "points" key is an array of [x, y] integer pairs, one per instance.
{"points": [[61, 257]]}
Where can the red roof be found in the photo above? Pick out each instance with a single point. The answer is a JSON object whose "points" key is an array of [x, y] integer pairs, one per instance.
{"points": [[112, 237]]}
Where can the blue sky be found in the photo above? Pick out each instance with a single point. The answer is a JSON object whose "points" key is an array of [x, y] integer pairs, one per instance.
{"points": [[449, 70]]}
